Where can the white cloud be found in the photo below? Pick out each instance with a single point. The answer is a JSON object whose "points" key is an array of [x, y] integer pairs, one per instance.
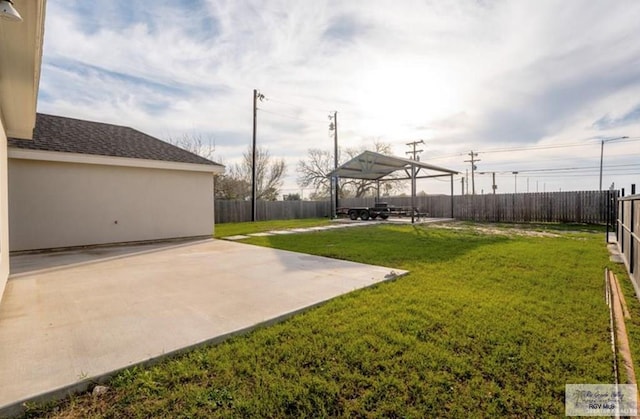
{"points": [[462, 75]]}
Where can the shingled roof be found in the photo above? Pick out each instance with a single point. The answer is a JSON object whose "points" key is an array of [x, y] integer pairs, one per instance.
{"points": [[68, 135]]}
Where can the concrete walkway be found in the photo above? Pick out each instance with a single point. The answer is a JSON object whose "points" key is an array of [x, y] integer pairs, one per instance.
{"points": [[63, 328], [337, 224], [340, 223]]}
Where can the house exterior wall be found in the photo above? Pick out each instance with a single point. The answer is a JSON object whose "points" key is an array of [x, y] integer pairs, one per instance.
{"points": [[56, 204], [4, 211]]}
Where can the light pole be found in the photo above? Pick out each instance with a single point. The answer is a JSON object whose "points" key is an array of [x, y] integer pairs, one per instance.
{"points": [[602, 154], [515, 182], [493, 180]]}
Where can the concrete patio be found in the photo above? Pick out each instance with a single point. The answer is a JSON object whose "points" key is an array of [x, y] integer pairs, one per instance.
{"points": [[65, 326]]}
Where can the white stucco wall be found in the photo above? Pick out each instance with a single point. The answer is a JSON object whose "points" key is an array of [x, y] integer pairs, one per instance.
{"points": [[56, 204], [4, 212]]}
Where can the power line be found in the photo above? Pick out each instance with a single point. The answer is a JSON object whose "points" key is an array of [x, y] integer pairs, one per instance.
{"points": [[505, 150], [291, 117], [561, 176], [271, 99], [511, 162], [618, 171], [577, 168], [627, 140]]}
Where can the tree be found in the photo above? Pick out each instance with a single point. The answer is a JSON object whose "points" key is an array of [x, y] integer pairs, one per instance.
{"points": [[269, 173], [269, 177], [225, 187], [319, 163], [235, 183], [314, 171], [292, 197], [228, 187], [319, 196], [196, 144]]}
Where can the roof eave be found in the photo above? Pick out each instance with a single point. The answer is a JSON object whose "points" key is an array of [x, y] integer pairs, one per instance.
{"points": [[57, 156], [20, 64]]}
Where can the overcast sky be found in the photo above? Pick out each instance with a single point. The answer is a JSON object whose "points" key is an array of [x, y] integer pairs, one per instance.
{"points": [[529, 85]]}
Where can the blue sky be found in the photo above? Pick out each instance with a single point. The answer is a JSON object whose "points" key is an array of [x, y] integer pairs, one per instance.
{"points": [[527, 85]]}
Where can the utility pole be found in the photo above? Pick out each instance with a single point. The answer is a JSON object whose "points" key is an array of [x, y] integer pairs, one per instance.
{"points": [[473, 162], [415, 152], [602, 154], [334, 126], [256, 96], [462, 182]]}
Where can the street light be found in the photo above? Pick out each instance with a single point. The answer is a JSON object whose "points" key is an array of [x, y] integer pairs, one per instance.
{"points": [[493, 180], [515, 182], [602, 152]]}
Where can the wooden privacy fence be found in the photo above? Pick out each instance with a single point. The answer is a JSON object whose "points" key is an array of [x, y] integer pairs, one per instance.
{"points": [[239, 211], [564, 207], [628, 235], [577, 207]]}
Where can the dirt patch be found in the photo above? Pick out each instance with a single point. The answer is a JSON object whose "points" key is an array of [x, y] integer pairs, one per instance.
{"points": [[515, 231]]}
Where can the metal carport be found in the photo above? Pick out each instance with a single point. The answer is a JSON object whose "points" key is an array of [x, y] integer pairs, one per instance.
{"points": [[375, 166]]}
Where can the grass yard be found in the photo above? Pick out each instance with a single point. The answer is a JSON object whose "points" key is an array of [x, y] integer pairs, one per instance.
{"points": [[490, 322]]}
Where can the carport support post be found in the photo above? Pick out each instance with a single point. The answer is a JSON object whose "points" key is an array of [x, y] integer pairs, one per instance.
{"points": [[335, 157], [333, 197], [452, 194], [413, 192]]}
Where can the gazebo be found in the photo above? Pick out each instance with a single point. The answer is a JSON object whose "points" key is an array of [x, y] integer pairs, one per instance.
{"points": [[375, 166]]}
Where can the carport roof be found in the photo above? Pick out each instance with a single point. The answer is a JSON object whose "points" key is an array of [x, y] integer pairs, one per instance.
{"points": [[373, 166]]}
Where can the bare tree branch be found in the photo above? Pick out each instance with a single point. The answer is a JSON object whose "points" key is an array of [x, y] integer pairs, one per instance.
{"points": [[196, 144], [319, 163], [314, 171], [269, 174]]}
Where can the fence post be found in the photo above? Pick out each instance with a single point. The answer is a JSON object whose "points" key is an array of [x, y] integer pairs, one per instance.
{"points": [[631, 234], [606, 238], [622, 222]]}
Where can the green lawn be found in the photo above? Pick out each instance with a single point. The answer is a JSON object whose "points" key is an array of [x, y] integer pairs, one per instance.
{"points": [[487, 324]]}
